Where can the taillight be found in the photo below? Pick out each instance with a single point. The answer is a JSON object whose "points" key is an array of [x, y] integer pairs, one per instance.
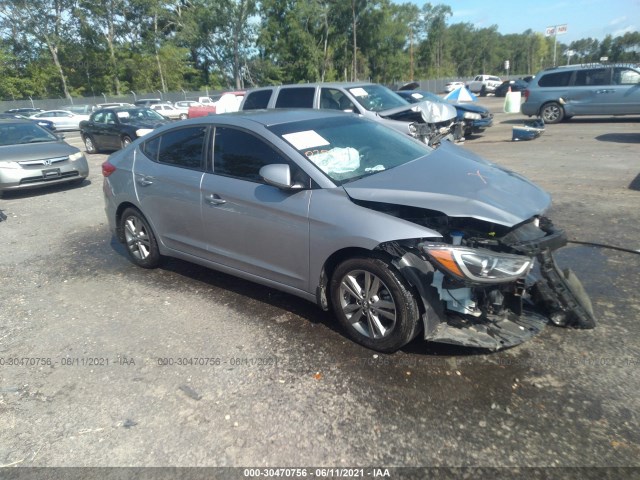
{"points": [[107, 169], [526, 94]]}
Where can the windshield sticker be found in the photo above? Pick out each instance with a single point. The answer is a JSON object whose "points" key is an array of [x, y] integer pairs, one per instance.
{"points": [[122, 114], [305, 140], [417, 96], [359, 92]]}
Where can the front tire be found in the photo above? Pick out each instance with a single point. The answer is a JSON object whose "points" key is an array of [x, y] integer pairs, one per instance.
{"points": [[374, 304], [483, 91], [183, 116], [126, 141], [139, 239], [552, 112]]}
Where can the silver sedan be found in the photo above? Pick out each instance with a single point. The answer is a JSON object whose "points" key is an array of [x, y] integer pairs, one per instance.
{"points": [[394, 237], [62, 119], [31, 156]]}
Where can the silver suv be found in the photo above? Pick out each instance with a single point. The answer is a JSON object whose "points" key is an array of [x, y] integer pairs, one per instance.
{"points": [[429, 122], [596, 89]]}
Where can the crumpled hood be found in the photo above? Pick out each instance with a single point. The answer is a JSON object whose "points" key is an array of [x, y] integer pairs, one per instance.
{"points": [[470, 107], [36, 151], [431, 112], [458, 183]]}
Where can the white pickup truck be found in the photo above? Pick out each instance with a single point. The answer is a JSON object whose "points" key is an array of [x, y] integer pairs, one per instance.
{"points": [[484, 84]]}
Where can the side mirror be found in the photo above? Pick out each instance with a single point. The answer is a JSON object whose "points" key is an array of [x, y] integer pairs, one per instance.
{"points": [[278, 175]]}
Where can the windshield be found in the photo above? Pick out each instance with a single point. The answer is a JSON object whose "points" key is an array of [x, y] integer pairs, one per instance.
{"points": [[139, 114], [20, 133], [377, 98], [349, 148]]}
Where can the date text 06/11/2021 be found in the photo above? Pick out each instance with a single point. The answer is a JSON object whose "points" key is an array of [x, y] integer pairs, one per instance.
{"points": [[342, 472]]}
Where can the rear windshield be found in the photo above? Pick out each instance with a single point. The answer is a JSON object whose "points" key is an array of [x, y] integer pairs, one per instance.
{"points": [[257, 100], [299, 97]]}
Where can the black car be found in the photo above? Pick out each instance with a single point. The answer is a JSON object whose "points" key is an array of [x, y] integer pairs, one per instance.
{"points": [[474, 118], [115, 128], [48, 124], [518, 85]]}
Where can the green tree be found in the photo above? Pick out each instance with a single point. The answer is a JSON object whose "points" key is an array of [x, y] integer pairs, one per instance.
{"points": [[47, 22]]}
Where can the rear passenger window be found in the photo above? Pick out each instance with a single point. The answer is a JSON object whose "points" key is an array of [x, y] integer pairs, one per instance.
{"points": [[181, 148], [558, 79], [257, 100], [596, 76], [295, 98]]}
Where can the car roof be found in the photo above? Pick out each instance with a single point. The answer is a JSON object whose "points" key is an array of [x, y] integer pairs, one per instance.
{"points": [[586, 66], [270, 118], [317, 84]]}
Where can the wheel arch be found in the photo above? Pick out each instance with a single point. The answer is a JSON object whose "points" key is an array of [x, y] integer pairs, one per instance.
{"points": [[119, 211], [335, 259], [561, 105]]}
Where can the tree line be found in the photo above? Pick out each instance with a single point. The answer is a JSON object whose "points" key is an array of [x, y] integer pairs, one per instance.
{"points": [[66, 48]]}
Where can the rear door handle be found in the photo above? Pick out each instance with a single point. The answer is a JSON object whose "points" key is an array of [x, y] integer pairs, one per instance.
{"points": [[144, 180], [214, 199], [605, 90]]}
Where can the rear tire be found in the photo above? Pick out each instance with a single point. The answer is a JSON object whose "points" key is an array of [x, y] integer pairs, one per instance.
{"points": [[552, 113], [89, 145], [374, 304], [126, 141], [139, 239], [483, 91]]}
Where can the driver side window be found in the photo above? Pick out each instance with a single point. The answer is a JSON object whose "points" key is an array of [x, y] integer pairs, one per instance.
{"points": [[240, 155]]}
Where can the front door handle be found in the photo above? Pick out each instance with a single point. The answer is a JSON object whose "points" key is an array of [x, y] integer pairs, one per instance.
{"points": [[214, 199], [605, 90], [144, 180]]}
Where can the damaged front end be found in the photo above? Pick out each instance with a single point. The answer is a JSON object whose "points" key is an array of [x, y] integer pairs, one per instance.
{"points": [[478, 286], [429, 122]]}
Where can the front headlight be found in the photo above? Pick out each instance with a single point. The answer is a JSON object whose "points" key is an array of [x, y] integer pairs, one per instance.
{"points": [[477, 265], [76, 156], [472, 116], [11, 165]]}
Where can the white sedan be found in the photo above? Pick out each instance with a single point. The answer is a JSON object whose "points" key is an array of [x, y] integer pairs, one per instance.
{"points": [[169, 111], [62, 119]]}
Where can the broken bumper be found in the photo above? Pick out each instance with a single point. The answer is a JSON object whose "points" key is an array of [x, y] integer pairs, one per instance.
{"points": [[496, 316]]}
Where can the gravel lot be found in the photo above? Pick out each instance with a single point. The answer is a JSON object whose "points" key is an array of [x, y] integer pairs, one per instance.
{"points": [[271, 381]]}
